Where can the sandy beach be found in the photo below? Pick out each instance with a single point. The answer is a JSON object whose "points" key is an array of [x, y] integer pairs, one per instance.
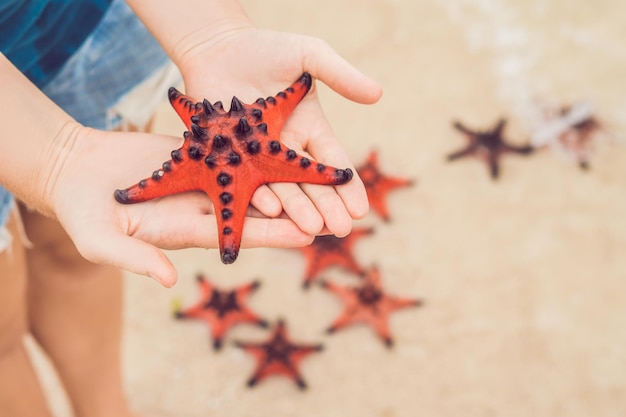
{"points": [[523, 279]]}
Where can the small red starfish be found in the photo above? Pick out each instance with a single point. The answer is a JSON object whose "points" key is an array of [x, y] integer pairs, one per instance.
{"points": [[488, 145], [368, 304], [278, 356], [222, 309], [228, 155], [330, 250], [378, 185]]}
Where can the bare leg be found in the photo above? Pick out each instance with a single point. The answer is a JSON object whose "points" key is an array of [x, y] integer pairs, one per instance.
{"points": [[20, 392], [74, 311]]}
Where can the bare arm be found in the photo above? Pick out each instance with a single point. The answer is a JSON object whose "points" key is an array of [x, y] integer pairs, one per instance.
{"points": [[69, 172], [36, 138]]}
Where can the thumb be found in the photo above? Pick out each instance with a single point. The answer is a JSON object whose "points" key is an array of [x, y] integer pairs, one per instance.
{"points": [[125, 252], [329, 67]]}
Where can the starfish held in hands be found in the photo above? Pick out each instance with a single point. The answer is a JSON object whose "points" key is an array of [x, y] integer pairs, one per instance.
{"points": [[228, 155]]}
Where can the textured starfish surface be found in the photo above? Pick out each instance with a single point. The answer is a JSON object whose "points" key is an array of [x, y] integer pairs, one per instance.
{"points": [[489, 145], [378, 185], [228, 155], [330, 250], [368, 303], [278, 356], [222, 309]]}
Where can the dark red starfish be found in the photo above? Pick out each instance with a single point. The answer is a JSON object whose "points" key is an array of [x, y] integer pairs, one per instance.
{"points": [[368, 303], [228, 155], [488, 145], [330, 250], [222, 309], [378, 185], [278, 356]]}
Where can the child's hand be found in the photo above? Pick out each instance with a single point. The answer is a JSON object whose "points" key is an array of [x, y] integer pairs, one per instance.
{"points": [[128, 236], [251, 63]]}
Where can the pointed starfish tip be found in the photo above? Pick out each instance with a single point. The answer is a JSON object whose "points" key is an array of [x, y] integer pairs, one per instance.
{"points": [[344, 175], [121, 196], [229, 256], [172, 93], [306, 79]]}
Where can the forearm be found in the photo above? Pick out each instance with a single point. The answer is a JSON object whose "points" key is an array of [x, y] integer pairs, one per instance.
{"points": [[179, 26], [35, 139]]}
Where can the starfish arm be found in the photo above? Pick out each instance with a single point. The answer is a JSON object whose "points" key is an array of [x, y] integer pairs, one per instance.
{"points": [[231, 213], [340, 322], [462, 152], [378, 205], [301, 351], [256, 377], [185, 106], [398, 303], [247, 314], [276, 109], [276, 368], [497, 131], [218, 330], [287, 166], [254, 349], [494, 166], [206, 288], [358, 233], [192, 312], [380, 324], [344, 293], [461, 128], [246, 290], [173, 178], [312, 271], [521, 149]]}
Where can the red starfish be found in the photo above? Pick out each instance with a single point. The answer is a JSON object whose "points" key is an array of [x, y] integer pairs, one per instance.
{"points": [[368, 304], [330, 250], [278, 356], [222, 309], [228, 155], [379, 185], [488, 145]]}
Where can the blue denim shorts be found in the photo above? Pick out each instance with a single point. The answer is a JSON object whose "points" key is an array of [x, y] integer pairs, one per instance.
{"points": [[117, 58]]}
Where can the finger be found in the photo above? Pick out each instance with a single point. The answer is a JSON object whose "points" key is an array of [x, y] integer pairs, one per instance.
{"points": [[324, 147], [329, 204], [325, 64], [274, 233], [127, 253], [266, 202], [187, 220], [257, 232], [298, 207]]}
